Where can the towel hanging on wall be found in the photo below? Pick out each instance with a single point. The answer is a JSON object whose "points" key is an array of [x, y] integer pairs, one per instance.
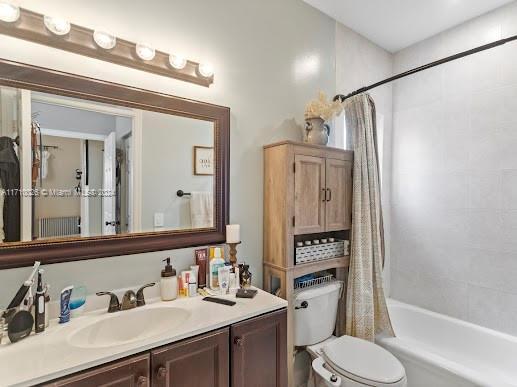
{"points": [[201, 209]]}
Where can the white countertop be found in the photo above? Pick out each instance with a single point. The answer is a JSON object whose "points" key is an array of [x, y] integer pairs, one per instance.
{"points": [[51, 355]]}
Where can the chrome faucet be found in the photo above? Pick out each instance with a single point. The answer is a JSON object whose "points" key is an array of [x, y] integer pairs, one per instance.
{"points": [[130, 300]]}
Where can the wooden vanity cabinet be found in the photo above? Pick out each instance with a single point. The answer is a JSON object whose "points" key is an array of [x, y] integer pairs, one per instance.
{"points": [[251, 353], [200, 361], [259, 351], [130, 372]]}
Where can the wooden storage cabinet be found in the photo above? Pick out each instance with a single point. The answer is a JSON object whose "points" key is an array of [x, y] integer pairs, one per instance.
{"points": [[201, 361], [259, 351], [307, 190], [322, 194], [131, 372]]}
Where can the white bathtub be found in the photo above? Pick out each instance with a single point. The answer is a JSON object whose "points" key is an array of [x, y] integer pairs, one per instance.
{"points": [[437, 350]]}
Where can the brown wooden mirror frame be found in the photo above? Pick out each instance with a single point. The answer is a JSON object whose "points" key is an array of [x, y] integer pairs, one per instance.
{"points": [[34, 78]]}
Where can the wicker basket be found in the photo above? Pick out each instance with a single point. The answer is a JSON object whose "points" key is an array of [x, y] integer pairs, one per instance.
{"points": [[320, 252]]}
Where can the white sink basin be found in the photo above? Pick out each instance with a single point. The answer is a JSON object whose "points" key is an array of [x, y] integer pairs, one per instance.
{"points": [[128, 326]]}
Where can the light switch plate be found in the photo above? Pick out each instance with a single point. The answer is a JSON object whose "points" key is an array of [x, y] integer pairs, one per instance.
{"points": [[159, 220]]}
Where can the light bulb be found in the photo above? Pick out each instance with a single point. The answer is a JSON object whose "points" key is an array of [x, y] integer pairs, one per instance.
{"points": [[57, 25], [206, 70], [145, 51], [177, 61], [104, 39], [9, 13]]}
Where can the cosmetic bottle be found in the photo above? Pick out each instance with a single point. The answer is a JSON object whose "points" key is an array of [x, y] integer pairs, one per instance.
{"points": [[168, 282], [215, 264], [192, 284], [40, 311], [224, 279]]}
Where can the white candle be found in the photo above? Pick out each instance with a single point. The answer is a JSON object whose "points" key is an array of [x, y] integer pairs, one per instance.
{"points": [[233, 233]]}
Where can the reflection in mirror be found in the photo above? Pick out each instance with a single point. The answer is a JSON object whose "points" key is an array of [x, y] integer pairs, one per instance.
{"points": [[73, 168]]}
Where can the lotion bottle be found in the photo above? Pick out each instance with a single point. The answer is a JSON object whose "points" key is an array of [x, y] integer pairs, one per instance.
{"points": [[215, 264], [168, 282]]}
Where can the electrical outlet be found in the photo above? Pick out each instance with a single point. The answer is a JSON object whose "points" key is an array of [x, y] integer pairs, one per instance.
{"points": [[159, 220]]}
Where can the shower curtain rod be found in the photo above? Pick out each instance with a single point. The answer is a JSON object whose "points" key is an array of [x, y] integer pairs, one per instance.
{"points": [[488, 46]]}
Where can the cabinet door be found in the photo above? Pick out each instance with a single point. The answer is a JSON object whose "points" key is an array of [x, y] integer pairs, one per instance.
{"points": [[259, 351], [198, 362], [132, 372], [309, 191], [338, 195]]}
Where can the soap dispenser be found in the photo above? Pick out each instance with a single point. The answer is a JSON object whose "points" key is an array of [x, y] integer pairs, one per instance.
{"points": [[168, 282]]}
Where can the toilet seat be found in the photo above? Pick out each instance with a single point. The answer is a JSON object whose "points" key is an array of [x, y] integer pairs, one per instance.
{"points": [[364, 362]]}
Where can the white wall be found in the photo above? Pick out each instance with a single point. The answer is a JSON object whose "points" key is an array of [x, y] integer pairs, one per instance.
{"points": [[270, 57], [454, 218], [168, 166], [359, 62]]}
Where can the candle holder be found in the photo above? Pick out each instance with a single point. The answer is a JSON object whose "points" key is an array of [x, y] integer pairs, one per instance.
{"points": [[233, 253]]}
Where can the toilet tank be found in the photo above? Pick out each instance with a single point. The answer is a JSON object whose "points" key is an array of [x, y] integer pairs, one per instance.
{"points": [[316, 322]]}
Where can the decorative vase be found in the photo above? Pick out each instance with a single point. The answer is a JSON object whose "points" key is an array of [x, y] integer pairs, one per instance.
{"points": [[316, 131]]}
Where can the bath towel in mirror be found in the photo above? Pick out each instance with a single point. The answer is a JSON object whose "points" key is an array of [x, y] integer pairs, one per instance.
{"points": [[201, 209]]}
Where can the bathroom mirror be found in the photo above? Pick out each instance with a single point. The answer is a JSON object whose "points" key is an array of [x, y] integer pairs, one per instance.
{"points": [[91, 169]]}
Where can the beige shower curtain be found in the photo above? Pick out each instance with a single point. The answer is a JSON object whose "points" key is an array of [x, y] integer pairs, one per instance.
{"points": [[366, 310]]}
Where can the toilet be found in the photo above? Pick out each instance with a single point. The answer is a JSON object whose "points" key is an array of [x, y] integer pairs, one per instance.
{"points": [[339, 361]]}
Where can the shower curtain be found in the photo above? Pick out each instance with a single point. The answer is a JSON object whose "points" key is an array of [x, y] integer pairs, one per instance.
{"points": [[366, 310]]}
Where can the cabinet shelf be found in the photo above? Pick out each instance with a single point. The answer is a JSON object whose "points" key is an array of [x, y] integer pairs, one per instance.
{"points": [[312, 267]]}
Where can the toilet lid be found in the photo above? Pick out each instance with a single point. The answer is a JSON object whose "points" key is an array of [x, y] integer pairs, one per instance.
{"points": [[363, 360]]}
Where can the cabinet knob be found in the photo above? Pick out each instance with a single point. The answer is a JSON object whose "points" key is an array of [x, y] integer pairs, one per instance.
{"points": [[162, 371], [238, 341], [142, 381]]}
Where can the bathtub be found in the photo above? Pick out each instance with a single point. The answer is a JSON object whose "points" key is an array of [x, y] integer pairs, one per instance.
{"points": [[437, 350]]}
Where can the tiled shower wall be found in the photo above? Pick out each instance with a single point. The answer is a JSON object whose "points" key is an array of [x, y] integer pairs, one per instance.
{"points": [[454, 198]]}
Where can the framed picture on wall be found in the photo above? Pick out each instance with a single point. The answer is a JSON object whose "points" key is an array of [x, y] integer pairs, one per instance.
{"points": [[203, 161]]}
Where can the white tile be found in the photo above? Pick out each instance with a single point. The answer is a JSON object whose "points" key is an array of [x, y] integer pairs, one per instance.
{"points": [[509, 314], [485, 306], [508, 105], [444, 296], [484, 229], [508, 15], [405, 287], [487, 108], [509, 189], [484, 146], [509, 56], [446, 262], [509, 232], [486, 69], [449, 189], [485, 190], [483, 274], [507, 145]]}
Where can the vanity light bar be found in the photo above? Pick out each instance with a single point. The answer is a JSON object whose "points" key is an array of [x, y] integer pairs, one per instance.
{"points": [[59, 33]]}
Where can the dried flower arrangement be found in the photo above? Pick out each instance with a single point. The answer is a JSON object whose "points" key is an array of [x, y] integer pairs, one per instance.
{"points": [[323, 108]]}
